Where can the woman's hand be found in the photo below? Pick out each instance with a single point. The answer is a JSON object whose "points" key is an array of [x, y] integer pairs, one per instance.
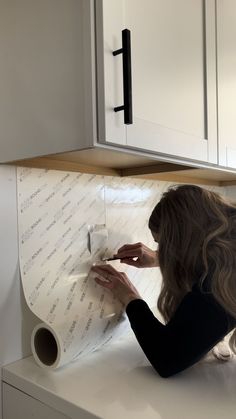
{"points": [[117, 282], [138, 255]]}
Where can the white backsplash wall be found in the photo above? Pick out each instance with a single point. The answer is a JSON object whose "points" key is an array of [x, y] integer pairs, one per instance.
{"points": [[230, 192], [122, 202]]}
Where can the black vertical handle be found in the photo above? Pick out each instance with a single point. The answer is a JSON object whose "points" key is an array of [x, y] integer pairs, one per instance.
{"points": [[127, 78]]}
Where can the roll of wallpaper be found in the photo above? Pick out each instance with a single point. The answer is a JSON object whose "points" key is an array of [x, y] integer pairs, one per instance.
{"points": [[62, 232]]}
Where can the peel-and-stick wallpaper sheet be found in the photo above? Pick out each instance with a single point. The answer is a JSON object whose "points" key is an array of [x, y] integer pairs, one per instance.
{"points": [[67, 222]]}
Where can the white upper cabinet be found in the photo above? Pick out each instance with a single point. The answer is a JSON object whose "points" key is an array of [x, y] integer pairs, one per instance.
{"points": [[43, 69], [173, 76], [226, 41], [60, 82]]}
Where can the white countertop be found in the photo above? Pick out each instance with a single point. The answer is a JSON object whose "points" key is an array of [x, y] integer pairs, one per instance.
{"points": [[118, 382]]}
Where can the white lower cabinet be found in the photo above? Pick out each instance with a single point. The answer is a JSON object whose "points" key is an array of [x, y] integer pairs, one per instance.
{"points": [[18, 405], [117, 382]]}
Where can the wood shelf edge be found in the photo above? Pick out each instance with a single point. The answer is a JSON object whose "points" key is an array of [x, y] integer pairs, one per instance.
{"points": [[178, 178], [228, 182], [51, 164], [163, 172], [155, 168]]}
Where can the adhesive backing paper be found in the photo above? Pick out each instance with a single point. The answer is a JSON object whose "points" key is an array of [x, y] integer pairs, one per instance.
{"points": [[67, 222]]}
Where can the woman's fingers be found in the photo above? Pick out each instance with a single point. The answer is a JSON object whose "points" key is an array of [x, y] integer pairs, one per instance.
{"points": [[134, 253], [106, 269], [110, 275], [130, 262], [105, 284], [146, 257], [117, 282], [129, 247]]}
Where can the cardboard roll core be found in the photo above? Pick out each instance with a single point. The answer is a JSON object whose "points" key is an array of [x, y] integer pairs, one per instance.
{"points": [[45, 346]]}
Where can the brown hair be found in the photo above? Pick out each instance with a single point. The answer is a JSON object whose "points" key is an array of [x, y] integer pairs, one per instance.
{"points": [[197, 244]]}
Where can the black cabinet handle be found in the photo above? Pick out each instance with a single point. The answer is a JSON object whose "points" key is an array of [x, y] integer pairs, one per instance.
{"points": [[127, 79]]}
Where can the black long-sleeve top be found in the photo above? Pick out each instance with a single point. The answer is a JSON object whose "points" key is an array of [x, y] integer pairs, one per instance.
{"points": [[198, 324]]}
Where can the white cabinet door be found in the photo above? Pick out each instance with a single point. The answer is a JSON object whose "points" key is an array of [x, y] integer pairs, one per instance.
{"points": [[43, 46], [18, 405], [226, 41], [173, 76]]}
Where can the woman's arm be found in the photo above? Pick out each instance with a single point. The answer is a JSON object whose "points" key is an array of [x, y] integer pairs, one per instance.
{"points": [[198, 324]]}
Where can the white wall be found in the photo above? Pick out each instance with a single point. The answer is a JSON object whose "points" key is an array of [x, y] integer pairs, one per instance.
{"points": [[230, 191], [15, 319]]}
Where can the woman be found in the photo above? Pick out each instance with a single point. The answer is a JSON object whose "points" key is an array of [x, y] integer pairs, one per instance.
{"points": [[196, 233]]}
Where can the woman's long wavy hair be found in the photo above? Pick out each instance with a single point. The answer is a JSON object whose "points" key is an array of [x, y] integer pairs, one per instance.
{"points": [[196, 231]]}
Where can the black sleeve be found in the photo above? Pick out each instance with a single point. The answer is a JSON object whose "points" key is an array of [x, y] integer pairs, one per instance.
{"points": [[198, 324]]}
